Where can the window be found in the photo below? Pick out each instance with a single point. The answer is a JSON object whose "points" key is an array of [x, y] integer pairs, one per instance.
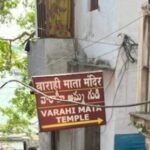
{"points": [[94, 5]]}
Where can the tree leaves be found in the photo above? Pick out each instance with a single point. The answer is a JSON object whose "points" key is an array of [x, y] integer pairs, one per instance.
{"points": [[16, 122], [5, 9], [4, 54], [27, 21], [21, 108]]}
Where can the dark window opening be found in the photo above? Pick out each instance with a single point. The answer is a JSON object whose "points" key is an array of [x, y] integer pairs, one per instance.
{"points": [[94, 5]]}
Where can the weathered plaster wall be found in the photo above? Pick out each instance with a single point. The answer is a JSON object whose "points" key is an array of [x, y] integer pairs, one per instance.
{"points": [[49, 56], [96, 25]]}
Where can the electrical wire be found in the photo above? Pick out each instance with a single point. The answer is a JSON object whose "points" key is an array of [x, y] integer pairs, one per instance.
{"points": [[114, 98], [123, 43], [108, 35], [129, 47], [64, 57], [103, 43], [67, 56], [107, 53], [116, 92], [67, 101], [108, 84], [45, 95], [98, 41]]}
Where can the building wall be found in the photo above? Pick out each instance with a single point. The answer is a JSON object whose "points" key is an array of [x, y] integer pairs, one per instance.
{"points": [[96, 25], [44, 57], [48, 56], [68, 139]]}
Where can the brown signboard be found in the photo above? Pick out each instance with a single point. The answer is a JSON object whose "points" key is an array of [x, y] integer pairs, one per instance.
{"points": [[85, 87]]}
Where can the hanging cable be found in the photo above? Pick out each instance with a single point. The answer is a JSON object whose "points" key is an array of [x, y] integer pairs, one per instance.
{"points": [[64, 57], [118, 86], [103, 43], [98, 41], [108, 84], [108, 35], [114, 98], [67, 101], [129, 48]]}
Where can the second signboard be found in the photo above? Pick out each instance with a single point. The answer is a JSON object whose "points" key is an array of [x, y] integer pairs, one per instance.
{"points": [[85, 87]]}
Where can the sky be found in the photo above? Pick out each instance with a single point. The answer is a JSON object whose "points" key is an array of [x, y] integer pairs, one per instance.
{"points": [[12, 30], [9, 31], [7, 92]]}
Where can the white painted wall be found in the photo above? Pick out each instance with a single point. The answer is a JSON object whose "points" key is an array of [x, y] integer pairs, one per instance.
{"points": [[113, 15], [92, 26], [45, 59], [108, 131], [95, 25], [49, 56]]}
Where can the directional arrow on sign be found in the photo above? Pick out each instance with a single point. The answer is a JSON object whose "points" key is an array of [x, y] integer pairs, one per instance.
{"points": [[97, 121]]}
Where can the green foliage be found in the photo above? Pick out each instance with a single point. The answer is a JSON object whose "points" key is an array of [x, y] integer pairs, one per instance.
{"points": [[27, 21], [19, 113], [5, 9], [24, 102], [16, 123], [4, 46], [9, 58], [21, 108]]}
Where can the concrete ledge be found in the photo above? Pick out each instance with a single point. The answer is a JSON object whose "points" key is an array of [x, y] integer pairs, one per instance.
{"points": [[87, 65], [141, 121]]}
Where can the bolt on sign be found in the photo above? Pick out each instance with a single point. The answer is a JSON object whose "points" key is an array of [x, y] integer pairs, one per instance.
{"points": [[85, 87]]}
